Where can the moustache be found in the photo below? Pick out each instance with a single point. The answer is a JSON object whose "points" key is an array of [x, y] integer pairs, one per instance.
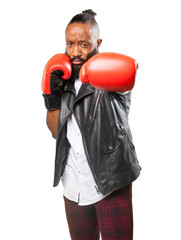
{"points": [[78, 61]]}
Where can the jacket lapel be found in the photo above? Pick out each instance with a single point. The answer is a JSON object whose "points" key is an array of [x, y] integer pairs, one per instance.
{"points": [[85, 90]]}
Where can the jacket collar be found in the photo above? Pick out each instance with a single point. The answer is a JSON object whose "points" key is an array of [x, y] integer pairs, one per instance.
{"points": [[85, 89]]}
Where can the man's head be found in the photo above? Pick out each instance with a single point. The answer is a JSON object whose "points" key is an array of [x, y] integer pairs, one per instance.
{"points": [[82, 38]]}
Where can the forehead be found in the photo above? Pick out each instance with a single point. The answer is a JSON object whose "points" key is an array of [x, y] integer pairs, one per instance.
{"points": [[79, 30]]}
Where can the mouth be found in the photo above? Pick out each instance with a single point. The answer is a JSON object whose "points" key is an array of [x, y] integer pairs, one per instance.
{"points": [[77, 62]]}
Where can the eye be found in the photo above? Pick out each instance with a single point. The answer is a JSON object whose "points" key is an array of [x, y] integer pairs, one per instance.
{"points": [[69, 44], [84, 45]]}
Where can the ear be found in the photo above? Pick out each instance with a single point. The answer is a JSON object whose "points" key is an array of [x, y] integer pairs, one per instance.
{"points": [[99, 41]]}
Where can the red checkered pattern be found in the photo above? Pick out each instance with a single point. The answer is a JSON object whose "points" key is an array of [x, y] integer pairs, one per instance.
{"points": [[112, 217]]}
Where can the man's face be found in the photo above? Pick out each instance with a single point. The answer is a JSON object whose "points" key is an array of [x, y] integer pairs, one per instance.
{"points": [[81, 43]]}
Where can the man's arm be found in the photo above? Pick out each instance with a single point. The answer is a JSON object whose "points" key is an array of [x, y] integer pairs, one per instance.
{"points": [[52, 121]]}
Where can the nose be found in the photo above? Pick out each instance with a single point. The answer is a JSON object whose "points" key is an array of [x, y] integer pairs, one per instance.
{"points": [[77, 51]]}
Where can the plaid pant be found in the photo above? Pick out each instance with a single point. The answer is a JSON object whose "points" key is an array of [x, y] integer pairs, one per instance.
{"points": [[112, 217]]}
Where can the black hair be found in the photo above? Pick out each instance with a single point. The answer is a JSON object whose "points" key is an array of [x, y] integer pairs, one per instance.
{"points": [[84, 17], [87, 16]]}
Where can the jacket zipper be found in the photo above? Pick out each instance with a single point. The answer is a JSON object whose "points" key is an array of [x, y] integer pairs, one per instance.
{"points": [[96, 105], [127, 136]]}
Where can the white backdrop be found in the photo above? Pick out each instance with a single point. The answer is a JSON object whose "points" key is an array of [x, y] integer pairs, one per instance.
{"points": [[33, 31]]}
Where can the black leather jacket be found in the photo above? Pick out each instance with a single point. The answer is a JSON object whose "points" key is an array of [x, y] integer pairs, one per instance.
{"points": [[103, 120]]}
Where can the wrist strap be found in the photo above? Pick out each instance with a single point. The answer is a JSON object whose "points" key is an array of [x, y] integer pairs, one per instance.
{"points": [[52, 101]]}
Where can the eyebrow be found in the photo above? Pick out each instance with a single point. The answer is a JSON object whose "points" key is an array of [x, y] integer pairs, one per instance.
{"points": [[79, 41]]}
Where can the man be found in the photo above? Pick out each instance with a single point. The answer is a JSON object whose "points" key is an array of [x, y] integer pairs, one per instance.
{"points": [[95, 156]]}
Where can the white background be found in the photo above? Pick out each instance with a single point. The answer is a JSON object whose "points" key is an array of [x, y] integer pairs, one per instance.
{"points": [[33, 31]]}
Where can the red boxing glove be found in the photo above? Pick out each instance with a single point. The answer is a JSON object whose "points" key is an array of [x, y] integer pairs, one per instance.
{"points": [[57, 70], [110, 72], [57, 62]]}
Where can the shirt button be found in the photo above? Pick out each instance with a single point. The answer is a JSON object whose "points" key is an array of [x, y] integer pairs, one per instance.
{"points": [[110, 147]]}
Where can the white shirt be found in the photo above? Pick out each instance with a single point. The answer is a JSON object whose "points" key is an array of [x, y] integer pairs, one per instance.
{"points": [[78, 182]]}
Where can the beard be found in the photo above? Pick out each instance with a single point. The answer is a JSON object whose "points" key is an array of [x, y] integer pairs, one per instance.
{"points": [[76, 68]]}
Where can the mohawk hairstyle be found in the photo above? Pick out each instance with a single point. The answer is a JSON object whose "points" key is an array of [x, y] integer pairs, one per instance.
{"points": [[84, 17], [87, 16]]}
